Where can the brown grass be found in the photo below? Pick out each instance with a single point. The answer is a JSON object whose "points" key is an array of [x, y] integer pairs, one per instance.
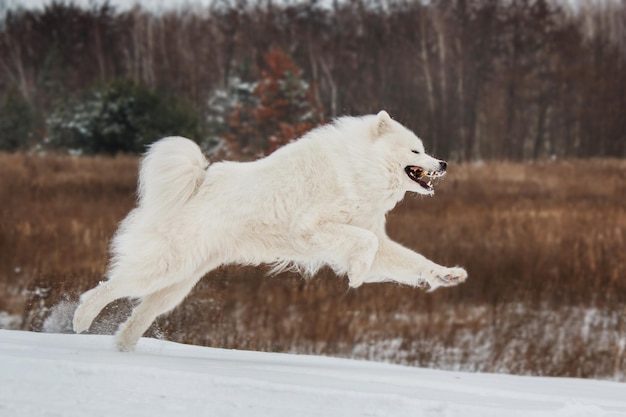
{"points": [[543, 243]]}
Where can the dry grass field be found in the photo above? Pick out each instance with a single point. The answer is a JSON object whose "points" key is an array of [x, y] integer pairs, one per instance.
{"points": [[543, 243]]}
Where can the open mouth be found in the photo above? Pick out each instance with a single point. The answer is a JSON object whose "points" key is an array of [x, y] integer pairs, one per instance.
{"points": [[423, 177]]}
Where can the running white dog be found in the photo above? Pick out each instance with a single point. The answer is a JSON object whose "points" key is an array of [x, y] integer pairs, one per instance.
{"points": [[320, 200]]}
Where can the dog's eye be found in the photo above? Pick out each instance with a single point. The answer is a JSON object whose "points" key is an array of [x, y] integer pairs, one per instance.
{"points": [[417, 152]]}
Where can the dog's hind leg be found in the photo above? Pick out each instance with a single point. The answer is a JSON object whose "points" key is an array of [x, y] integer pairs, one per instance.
{"points": [[94, 300], [127, 282], [150, 307]]}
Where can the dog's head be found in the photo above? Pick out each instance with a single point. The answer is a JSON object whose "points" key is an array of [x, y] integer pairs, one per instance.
{"points": [[404, 152]]}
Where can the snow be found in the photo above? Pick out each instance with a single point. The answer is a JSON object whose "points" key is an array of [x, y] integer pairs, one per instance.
{"points": [[9, 321], [43, 374]]}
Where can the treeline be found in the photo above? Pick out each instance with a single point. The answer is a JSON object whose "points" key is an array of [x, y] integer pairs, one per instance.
{"points": [[482, 79]]}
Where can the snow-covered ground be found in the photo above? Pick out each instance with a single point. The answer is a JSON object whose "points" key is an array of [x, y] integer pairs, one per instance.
{"points": [[81, 375]]}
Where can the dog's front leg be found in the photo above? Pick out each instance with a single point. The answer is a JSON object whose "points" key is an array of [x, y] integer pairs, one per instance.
{"points": [[348, 249], [394, 262]]}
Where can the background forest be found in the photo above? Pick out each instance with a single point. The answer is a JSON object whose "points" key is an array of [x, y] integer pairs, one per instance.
{"points": [[527, 97], [482, 79]]}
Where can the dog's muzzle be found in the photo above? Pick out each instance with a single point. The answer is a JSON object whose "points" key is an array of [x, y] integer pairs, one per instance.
{"points": [[425, 177]]}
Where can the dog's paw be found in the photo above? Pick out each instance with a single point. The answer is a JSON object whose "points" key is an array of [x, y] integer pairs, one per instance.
{"points": [[82, 320], [455, 276], [124, 346], [449, 277], [124, 342]]}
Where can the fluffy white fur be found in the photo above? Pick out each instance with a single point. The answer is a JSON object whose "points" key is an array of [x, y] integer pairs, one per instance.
{"points": [[320, 200]]}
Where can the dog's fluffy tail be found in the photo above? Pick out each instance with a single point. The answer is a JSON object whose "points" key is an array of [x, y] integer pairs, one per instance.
{"points": [[170, 174]]}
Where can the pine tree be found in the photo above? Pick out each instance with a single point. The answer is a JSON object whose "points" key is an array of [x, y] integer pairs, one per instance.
{"points": [[258, 118], [121, 116]]}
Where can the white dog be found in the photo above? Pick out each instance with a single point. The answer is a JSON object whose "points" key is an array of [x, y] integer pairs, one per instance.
{"points": [[320, 200]]}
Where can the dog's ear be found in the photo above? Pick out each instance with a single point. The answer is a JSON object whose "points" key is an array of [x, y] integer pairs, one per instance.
{"points": [[384, 123]]}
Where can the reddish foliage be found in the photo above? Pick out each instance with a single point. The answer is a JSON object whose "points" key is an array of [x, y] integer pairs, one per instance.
{"points": [[285, 108]]}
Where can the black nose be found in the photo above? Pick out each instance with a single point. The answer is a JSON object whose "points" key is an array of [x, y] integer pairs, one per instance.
{"points": [[444, 165]]}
